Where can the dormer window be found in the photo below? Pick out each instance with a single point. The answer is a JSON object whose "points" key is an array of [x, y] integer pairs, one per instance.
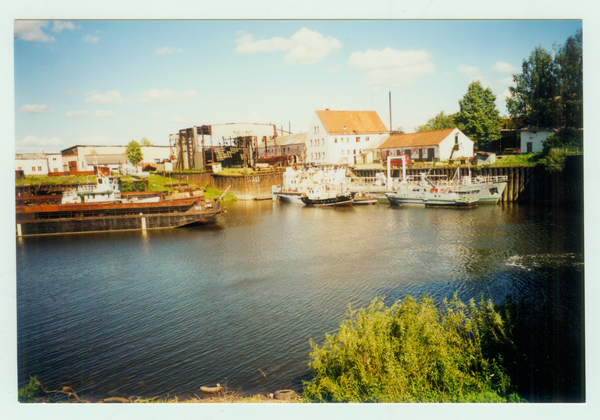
{"points": [[344, 127]]}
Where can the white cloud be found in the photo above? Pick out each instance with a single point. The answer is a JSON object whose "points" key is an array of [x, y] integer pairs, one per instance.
{"points": [[177, 119], [86, 113], [31, 30], [71, 92], [305, 47], [504, 68], [168, 50], [109, 98], [471, 71], [36, 109], [390, 66], [156, 113], [59, 26], [33, 143], [164, 95], [91, 39]]}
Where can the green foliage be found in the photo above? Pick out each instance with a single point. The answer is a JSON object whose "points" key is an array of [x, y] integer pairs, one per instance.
{"points": [[134, 152], [215, 193], [439, 122], [478, 117], [413, 352], [554, 161], [29, 392], [549, 91]]}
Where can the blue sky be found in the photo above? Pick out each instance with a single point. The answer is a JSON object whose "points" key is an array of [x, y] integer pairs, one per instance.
{"points": [[111, 81]]}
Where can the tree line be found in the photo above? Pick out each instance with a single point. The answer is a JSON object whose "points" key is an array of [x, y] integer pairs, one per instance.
{"points": [[547, 94]]}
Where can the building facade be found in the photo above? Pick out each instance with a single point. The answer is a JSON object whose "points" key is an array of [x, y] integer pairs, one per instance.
{"points": [[340, 137], [437, 145]]}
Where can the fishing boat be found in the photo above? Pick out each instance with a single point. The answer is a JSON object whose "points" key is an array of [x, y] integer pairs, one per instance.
{"points": [[429, 196], [100, 208], [427, 193], [328, 199]]}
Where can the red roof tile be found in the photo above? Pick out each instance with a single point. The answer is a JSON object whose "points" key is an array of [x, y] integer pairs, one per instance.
{"points": [[351, 122], [423, 138]]}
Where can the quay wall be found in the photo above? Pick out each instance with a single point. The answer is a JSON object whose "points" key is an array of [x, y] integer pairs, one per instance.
{"points": [[244, 187]]}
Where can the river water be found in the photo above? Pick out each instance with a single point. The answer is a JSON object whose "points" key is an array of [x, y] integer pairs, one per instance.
{"points": [[165, 312]]}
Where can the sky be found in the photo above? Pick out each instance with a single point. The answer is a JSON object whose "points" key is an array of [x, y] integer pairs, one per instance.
{"points": [[107, 82]]}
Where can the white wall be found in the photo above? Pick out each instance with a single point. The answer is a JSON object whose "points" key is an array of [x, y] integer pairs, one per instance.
{"points": [[55, 163], [325, 148], [465, 146], [32, 166], [536, 137]]}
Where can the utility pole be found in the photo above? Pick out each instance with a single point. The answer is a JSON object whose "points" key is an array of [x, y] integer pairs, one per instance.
{"points": [[390, 112]]}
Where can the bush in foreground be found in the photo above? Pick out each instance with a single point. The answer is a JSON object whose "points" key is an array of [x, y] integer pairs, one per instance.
{"points": [[413, 352]]}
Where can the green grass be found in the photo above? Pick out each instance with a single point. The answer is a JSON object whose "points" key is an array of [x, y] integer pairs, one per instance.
{"points": [[529, 159], [413, 352]]}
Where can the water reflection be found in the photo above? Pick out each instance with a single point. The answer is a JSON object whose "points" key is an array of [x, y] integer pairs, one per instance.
{"points": [[167, 311]]}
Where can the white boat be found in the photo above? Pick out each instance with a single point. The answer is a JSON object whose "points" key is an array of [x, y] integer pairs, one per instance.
{"points": [[427, 193], [106, 190]]}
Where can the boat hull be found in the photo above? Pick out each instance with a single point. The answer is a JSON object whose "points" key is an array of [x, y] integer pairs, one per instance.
{"points": [[335, 201], [288, 197], [49, 220]]}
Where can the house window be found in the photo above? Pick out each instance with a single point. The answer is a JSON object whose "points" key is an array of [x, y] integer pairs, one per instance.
{"points": [[335, 139], [39, 168], [311, 156], [33, 169], [456, 139], [366, 139], [19, 169], [311, 143], [358, 139], [347, 139]]}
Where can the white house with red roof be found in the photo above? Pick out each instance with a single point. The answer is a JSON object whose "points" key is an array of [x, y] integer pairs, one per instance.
{"points": [[450, 143], [339, 137]]}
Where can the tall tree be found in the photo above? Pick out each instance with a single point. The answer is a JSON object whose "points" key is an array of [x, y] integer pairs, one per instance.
{"points": [[478, 117], [534, 99], [439, 122], [134, 152], [146, 142], [569, 64]]}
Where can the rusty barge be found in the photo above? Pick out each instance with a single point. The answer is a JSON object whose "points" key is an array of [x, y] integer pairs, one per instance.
{"points": [[101, 208]]}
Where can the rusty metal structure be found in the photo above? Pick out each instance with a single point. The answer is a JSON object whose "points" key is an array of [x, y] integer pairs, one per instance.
{"points": [[237, 146]]}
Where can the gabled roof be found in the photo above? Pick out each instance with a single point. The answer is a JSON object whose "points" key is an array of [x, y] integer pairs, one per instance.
{"points": [[351, 122], [422, 138]]}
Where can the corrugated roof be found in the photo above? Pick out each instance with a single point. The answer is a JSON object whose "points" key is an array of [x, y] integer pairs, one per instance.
{"points": [[351, 122], [423, 138]]}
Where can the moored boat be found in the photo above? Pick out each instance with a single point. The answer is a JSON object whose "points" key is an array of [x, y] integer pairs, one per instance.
{"points": [[329, 200], [104, 210]]}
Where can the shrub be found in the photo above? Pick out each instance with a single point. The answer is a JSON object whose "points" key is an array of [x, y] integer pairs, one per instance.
{"points": [[29, 392], [413, 352], [554, 161]]}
